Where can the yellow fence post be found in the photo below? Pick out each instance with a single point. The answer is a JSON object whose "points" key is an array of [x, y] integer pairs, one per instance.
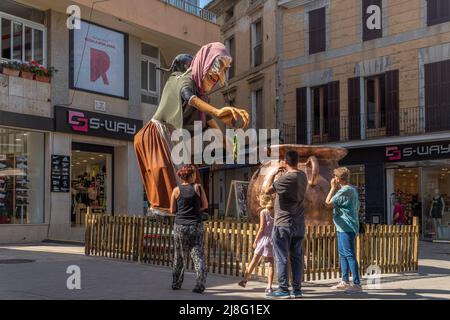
{"points": [[416, 242]]}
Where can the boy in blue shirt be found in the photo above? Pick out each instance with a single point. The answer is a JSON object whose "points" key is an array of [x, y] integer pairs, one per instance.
{"points": [[343, 198]]}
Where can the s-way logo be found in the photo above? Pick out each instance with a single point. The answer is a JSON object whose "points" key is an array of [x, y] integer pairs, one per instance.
{"points": [[397, 153], [82, 124]]}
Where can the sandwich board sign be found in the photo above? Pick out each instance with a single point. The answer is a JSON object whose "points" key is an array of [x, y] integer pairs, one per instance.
{"points": [[237, 200]]}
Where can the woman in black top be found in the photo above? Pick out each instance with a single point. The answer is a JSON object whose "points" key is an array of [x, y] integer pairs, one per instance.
{"points": [[188, 201]]}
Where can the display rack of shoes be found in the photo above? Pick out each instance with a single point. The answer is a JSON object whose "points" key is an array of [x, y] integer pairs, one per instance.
{"points": [[6, 185], [20, 190]]}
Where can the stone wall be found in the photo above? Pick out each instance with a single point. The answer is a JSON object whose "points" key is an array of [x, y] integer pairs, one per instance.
{"points": [[24, 96], [405, 35]]}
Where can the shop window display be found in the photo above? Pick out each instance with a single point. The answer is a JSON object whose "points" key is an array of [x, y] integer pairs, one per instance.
{"points": [[436, 211], [21, 177], [89, 185], [405, 200], [422, 192], [358, 180]]}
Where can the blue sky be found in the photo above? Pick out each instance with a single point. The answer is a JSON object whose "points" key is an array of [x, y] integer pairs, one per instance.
{"points": [[203, 2]]}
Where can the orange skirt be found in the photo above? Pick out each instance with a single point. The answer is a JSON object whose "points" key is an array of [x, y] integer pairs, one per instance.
{"points": [[157, 170], [153, 148]]}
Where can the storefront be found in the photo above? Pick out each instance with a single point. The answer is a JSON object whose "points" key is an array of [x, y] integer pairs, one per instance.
{"points": [[104, 177], [22, 176], [405, 180]]}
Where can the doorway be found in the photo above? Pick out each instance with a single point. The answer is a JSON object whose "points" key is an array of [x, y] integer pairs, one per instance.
{"points": [[404, 189], [423, 190], [92, 181]]}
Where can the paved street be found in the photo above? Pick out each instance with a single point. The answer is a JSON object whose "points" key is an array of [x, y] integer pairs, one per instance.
{"points": [[39, 272]]}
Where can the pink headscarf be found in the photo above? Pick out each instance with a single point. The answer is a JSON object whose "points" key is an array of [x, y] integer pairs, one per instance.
{"points": [[203, 61], [201, 64]]}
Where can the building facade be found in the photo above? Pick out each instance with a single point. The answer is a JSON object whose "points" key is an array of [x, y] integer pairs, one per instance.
{"points": [[371, 76], [66, 147], [248, 29]]}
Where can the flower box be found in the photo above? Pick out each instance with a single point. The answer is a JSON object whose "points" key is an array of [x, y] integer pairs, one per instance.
{"points": [[27, 75], [42, 78], [10, 72]]}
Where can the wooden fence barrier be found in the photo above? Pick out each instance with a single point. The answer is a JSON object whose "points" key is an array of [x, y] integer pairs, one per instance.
{"points": [[229, 245]]}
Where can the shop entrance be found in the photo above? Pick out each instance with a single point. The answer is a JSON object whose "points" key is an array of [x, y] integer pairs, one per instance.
{"points": [[421, 189], [404, 195], [92, 181]]}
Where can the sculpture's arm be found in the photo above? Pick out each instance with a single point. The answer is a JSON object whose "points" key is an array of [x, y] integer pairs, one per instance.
{"points": [[230, 116]]}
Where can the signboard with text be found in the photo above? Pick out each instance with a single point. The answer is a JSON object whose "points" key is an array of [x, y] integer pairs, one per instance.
{"points": [[77, 121], [60, 173], [417, 152], [98, 58]]}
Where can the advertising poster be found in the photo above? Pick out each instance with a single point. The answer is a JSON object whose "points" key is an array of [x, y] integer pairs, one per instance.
{"points": [[60, 174], [98, 60]]}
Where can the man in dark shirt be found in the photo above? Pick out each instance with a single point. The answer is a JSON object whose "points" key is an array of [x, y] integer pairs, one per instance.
{"points": [[289, 227]]}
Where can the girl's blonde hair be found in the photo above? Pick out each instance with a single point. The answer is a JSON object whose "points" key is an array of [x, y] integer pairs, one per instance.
{"points": [[266, 201]]}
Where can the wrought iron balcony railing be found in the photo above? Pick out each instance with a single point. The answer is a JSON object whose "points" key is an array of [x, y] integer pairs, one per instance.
{"points": [[405, 122], [193, 9]]}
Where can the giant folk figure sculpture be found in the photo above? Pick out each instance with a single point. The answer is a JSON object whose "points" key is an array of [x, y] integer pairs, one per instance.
{"points": [[183, 101]]}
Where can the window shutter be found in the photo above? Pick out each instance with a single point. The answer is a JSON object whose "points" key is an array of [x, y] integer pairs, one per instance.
{"points": [[301, 116], [444, 112], [354, 114], [333, 112], [438, 11], [392, 103], [432, 92], [431, 12], [437, 96], [369, 34], [317, 30]]}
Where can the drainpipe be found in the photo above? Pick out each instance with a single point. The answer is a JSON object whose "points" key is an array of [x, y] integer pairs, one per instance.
{"points": [[279, 100]]}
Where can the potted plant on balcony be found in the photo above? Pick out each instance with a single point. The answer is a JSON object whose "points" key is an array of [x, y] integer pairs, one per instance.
{"points": [[26, 71], [41, 73], [11, 68]]}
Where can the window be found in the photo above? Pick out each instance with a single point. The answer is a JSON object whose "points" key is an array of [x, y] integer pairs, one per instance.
{"points": [[438, 11], [320, 110], [22, 40], [229, 14], [437, 96], [257, 109], [257, 43], [376, 102], [150, 81], [372, 19], [230, 44], [21, 178], [317, 31]]}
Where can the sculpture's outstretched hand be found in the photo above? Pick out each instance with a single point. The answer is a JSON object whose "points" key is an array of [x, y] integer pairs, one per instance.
{"points": [[234, 117]]}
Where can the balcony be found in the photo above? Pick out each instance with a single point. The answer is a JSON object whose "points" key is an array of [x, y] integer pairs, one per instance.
{"points": [[192, 9], [405, 122]]}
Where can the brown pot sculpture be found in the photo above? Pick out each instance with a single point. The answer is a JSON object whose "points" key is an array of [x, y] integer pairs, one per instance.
{"points": [[324, 160]]}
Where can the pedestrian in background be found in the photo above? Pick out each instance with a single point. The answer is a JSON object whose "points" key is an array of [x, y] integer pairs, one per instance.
{"points": [[343, 198]]}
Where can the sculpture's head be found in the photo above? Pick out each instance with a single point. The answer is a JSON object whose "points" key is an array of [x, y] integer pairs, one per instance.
{"points": [[217, 73], [210, 66]]}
